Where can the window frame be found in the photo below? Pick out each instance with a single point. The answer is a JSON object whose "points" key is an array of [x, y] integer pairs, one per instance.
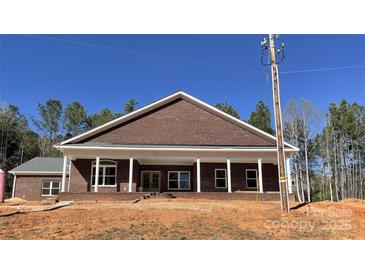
{"points": [[178, 179], [250, 187], [50, 187], [104, 166], [215, 175]]}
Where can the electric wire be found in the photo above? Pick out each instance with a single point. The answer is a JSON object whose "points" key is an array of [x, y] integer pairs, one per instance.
{"points": [[190, 60]]}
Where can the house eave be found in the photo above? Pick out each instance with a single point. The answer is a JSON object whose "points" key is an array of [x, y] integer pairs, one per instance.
{"points": [[35, 172], [64, 148]]}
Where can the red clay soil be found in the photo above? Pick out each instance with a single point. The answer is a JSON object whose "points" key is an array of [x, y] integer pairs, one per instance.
{"points": [[179, 219]]}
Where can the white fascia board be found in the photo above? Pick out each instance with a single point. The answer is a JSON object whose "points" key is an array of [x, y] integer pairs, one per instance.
{"points": [[70, 147], [179, 94], [36, 172]]}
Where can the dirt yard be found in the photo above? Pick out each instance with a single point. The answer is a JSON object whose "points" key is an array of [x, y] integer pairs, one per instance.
{"points": [[179, 219]]}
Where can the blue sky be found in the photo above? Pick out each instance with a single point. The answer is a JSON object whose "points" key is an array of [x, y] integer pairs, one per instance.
{"points": [[213, 68]]}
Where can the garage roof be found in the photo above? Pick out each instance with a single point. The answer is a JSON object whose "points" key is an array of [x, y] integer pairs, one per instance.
{"points": [[40, 165]]}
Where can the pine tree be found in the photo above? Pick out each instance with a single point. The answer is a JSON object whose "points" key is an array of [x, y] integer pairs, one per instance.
{"points": [[261, 118], [130, 106], [49, 124], [227, 108], [74, 119]]}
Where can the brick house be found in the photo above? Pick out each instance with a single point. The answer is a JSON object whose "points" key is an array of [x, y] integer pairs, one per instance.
{"points": [[178, 145]]}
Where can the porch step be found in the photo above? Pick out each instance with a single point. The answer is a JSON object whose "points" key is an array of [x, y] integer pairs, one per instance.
{"points": [[149, 195], [167, 195]]}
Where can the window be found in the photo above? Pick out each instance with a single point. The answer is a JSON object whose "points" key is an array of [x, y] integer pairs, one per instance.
{"points": [[179, 180], [50, 188], [251, 178], [107, 173], [220, 178]]}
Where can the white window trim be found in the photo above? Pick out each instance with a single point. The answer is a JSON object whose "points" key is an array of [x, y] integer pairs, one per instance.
{"points": [[103, 166], [252, 169], [215, 175], [50, 187], [178, 180]]}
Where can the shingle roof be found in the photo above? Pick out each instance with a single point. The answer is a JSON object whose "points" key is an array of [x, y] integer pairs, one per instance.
{"points": [[41, 164]]}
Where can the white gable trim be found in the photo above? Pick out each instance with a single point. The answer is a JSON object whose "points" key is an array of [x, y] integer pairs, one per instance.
{"points": [[233, 119], [177, 95], [123, 118]]}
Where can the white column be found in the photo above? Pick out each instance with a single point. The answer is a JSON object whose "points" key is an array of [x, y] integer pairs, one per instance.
{"points": [[198, 189], [229, 175], [97, 174], [69, 176], [288, 175], [261, 185], [64, 174], [130, 186], [13, 194]]}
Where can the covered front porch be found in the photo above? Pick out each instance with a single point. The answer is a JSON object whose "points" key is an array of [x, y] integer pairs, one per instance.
{"points": [[172, 170]]}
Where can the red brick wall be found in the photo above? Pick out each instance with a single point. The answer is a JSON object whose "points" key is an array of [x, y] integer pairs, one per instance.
{"points": [[81, 174], [30, 187], [181, 123], [238, 176], [164, 175]]}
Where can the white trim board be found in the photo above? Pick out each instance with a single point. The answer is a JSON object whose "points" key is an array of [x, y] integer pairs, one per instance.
{"points": [[61, 148], [170, 98], [37, 173], [173, 154]]}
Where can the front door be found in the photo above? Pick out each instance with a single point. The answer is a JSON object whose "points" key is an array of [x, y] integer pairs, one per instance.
{"points": [[150, 181]]}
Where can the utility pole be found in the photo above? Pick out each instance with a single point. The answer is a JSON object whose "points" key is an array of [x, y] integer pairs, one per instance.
{"points": [[273, 52]]}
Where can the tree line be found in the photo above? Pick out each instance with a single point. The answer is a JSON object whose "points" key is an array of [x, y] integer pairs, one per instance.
{"points": [[20, 143], [329, 166], [331, 162]]}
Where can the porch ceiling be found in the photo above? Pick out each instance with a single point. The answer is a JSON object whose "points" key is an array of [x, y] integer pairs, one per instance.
{"points": [[177, 154], [191, 161]]}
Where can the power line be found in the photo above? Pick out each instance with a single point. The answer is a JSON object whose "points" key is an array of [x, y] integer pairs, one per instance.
{"points": [[143, 53], [323, 69], [188, 60]]}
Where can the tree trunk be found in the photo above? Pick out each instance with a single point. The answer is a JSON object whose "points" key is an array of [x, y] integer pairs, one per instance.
{"points": [[301, 184], [336, 171], [307, 171], [297, 180]]}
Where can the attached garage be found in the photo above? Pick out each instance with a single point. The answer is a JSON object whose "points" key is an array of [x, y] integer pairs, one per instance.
{"points": [[37, 179]]}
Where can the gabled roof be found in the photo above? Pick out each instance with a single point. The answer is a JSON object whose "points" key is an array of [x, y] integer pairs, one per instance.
{"points": [[42, 165], [162, 102]]}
